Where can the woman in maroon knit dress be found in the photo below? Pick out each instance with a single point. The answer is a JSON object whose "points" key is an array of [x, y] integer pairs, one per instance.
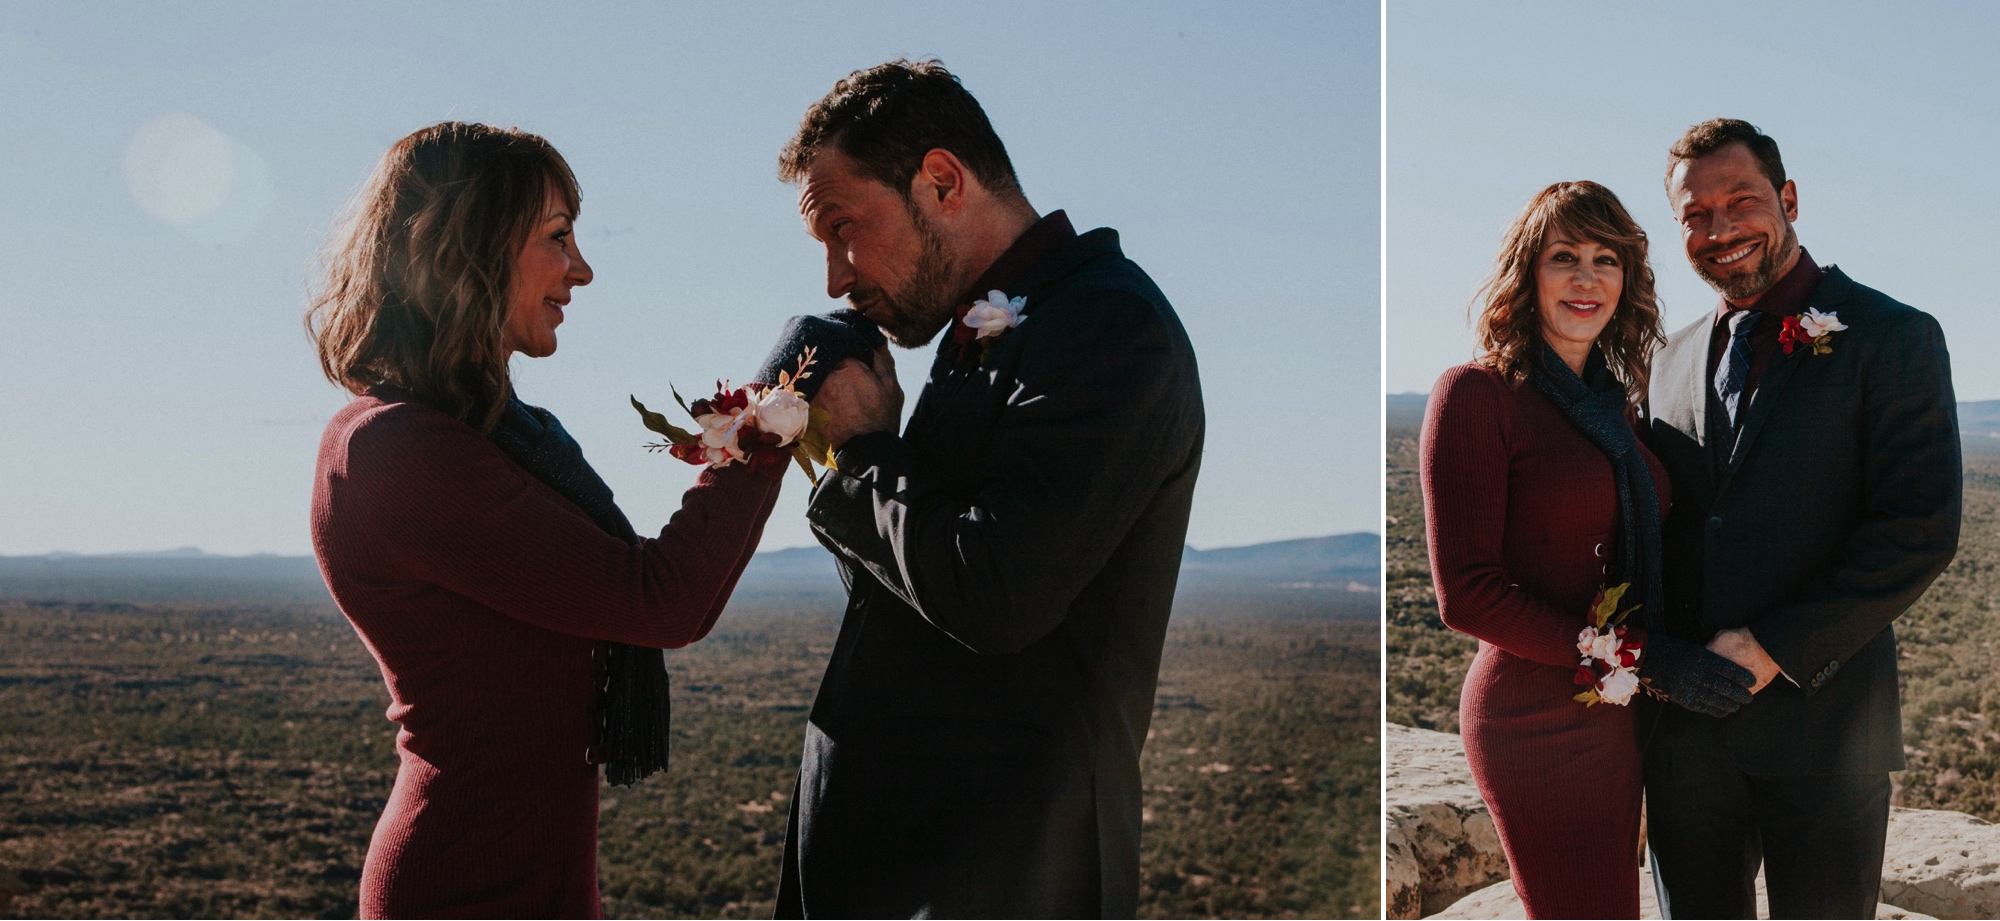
{"points": [[515, 615], [1523, 501]]}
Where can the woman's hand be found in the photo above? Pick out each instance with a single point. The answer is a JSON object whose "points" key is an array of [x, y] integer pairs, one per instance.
{"points": [[1694, 677]]}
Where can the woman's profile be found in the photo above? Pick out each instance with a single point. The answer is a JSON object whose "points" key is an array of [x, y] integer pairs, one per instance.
{"points": [[516, 615]]}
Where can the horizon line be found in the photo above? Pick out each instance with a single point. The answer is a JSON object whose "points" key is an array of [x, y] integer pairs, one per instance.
{"points": [[192, 552]]}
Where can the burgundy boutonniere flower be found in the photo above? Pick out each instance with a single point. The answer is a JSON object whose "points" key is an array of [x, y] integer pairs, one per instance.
{"points": [[1810, 328]]}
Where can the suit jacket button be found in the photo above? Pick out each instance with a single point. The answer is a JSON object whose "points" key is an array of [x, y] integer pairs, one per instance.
{"points": [[1598, 550], [1715, 523]]}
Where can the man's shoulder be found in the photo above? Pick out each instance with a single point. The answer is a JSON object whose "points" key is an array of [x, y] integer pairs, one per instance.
{"points": [[1853, 302], [1095, 267], [1100, 289], [1696, 331]]}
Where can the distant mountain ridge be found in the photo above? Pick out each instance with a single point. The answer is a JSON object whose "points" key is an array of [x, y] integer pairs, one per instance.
{"points": [[1404, 409], [1978, 421], [1979, 426], [1341, 564]]}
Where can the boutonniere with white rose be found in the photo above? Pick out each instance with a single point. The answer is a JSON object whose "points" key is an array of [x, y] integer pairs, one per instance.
{"points": [[757, 425], [1810, 328], [985, 321], [1609, 671]]}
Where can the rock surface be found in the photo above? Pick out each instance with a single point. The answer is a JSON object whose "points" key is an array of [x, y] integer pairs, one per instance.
{"points": [[1441, 851], [1439, 843], [1498, 901], [1944, 863]]}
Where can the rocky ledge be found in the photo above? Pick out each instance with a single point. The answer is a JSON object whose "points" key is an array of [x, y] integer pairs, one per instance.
{"points": [[1442, 857]]}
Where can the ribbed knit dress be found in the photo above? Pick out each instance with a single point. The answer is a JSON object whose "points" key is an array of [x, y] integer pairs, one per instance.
{"points": [[1521, 513], [483, 595]]}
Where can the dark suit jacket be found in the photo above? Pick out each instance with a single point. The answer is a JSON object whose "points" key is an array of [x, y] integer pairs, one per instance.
{"points": [[1011, 562], [1837, 507]]}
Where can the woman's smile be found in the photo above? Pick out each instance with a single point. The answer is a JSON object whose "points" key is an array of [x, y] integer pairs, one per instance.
{"points": [[1577, 287]]}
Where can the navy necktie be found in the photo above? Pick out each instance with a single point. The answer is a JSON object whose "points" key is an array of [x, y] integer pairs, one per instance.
{"points": [[1734, 367]]}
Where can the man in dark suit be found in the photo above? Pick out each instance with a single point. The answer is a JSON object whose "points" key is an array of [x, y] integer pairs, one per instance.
{"points": [[1810, 434], [1011, 556]]}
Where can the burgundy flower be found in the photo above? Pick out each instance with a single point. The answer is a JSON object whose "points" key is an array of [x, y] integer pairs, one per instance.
{"points": [[1793, 334]]}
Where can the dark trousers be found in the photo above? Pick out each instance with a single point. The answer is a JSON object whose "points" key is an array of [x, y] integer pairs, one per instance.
{"points": [[1709, 826]]}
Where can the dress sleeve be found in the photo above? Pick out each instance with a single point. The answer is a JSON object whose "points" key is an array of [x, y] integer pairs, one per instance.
{"points": [[446, 507], [1463, 459]]}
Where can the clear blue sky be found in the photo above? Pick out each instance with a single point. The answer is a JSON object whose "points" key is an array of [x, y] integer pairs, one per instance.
{"points": [[156, 388], [1888, 116]]}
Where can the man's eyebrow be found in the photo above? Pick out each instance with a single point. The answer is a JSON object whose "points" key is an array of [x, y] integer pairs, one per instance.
{"points": [[813, 210]]}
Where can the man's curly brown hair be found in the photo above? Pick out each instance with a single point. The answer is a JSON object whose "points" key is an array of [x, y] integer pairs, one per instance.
{"points": [[886, 118]]}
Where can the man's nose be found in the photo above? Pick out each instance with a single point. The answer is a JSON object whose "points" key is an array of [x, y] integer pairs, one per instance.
{"points": [[839, 272], [1720, 226]]}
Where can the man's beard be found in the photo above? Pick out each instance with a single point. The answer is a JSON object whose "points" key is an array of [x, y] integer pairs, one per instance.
{"points": [[1770, 267], [913, 317]]}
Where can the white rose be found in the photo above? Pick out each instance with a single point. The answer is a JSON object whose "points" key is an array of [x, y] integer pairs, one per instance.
{"points": [[995, 315], [1617, 687], [1584, 641], [1818, 324], [718, 436], [1605, 647], [783, 413]]}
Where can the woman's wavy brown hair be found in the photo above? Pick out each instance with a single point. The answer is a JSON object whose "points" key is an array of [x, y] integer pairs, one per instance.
{"points": [[1508, 326], [416, 280]]}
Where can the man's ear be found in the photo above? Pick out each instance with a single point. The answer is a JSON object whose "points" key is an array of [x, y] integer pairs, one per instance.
{"points": [[1789, 198], [941, 182]]}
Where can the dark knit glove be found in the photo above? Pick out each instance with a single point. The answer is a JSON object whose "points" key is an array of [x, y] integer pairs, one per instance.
{"points": [[834, 337], [1695, 678]]}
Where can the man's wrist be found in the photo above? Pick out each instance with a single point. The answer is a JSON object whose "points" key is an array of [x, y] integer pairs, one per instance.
{"points": [[868, 449], [1751, 631], [859, 432]]}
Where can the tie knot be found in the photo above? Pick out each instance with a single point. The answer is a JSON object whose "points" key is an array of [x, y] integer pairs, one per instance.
{"points": [[1742, 321]]}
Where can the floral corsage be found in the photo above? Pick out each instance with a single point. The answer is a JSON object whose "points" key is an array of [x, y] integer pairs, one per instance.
{"points": [[1810, 328], [986, 321], [757, 425], [1611, 652]]}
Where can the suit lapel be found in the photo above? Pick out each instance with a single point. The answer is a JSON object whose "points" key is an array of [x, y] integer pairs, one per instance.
{"points": [[1771, 390], [928, 398], [949, 375]]}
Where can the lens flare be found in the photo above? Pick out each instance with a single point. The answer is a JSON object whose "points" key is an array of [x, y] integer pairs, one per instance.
{"points": [[182, 170]]}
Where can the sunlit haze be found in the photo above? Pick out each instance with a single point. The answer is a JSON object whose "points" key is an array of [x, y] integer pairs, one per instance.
{"points": [[172, 170]]}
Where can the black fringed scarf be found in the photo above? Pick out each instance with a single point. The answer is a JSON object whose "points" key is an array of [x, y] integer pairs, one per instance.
{"points": [[634, 710], [1595, 404]]}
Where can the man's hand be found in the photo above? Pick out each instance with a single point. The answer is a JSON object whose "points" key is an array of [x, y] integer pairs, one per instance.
{"points": [[1741, 647], [861, 399]]}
